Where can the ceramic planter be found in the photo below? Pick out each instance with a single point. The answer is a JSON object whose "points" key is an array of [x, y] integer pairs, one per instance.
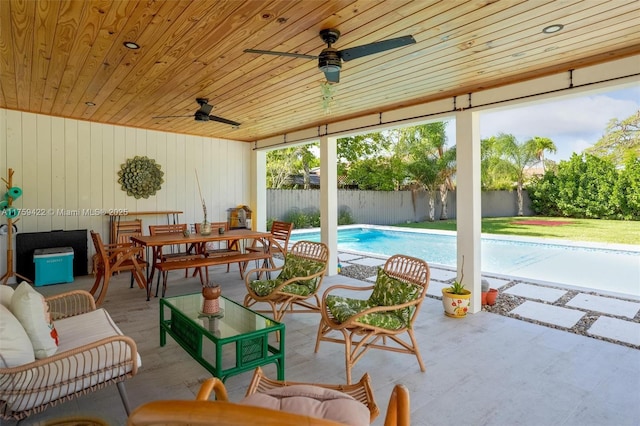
{"points": [[455, 305], [492, 295]]}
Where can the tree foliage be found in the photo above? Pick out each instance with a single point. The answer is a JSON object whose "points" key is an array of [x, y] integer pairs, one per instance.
{"points": [[429, 161], [621, 142], [378, 173], [513, 158], [287, 162], [587, 186]]}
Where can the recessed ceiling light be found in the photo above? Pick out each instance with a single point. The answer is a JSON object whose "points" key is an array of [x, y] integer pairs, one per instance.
{"points": [[89, 103], [552, 28], [131, 45]]}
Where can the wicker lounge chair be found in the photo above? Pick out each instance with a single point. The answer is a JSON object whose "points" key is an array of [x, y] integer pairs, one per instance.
{"points": [[298, 281], [377, 322]]}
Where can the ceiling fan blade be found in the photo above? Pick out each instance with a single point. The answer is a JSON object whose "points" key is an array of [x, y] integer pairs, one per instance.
{"points": [[376, 47], [173, 116], [223, 120], [332, 76], [270, 52]]}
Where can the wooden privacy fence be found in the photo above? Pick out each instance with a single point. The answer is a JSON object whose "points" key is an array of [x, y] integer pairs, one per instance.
{"points": [[389, 207]]}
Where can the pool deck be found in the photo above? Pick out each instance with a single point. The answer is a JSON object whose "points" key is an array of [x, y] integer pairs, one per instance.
{"points": [[612, 318], [485, 369]]}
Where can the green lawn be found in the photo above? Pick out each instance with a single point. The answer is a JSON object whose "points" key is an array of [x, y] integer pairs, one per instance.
{"points": [[595, 230]]}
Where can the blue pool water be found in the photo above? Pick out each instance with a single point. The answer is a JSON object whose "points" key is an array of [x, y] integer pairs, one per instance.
{"points": [[590, 266]]}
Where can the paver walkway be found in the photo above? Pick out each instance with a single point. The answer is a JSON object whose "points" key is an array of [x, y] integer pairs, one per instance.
{"points": [[609, 318]]}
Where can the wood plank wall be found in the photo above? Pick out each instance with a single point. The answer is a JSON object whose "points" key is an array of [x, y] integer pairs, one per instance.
{"points": [[71, 166]]}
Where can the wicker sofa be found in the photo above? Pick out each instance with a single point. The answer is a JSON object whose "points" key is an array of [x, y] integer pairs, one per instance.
{"points": [[86, 351]]}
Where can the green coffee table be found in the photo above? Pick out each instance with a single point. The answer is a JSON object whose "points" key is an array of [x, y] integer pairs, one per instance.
{"points": [[234, 341]]}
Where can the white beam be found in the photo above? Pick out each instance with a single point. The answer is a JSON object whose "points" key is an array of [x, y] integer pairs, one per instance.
{"points": [[618, 73], [469, 210], [329, 200], [259, 190]]}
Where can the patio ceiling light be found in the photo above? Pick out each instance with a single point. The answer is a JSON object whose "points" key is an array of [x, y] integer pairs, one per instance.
{"points": [[89, 103], [131, 45], [552, 28]]}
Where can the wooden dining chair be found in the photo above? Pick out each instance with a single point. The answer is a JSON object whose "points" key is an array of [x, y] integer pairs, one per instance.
{"points": [[176, 252], [113, 258], [220, 248], [277, 244]]}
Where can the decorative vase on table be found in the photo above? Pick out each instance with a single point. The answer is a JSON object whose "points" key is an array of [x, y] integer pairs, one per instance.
{"points": [[205, 227], [211, 294]]}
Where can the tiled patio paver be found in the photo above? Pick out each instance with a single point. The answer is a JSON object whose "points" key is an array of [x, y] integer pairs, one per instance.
{"points": [[496, 282], [346, 257], [435, 288], [617, 329], [536, 292], [606, 305], [442, 274], [368, 261], [548, 314]]}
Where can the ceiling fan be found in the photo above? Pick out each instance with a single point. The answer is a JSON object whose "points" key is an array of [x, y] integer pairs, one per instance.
{"points": [[202, 114], [330, 59]]}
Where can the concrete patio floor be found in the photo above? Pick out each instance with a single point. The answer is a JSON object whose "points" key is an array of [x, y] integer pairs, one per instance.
{"points": [[485, 369]]}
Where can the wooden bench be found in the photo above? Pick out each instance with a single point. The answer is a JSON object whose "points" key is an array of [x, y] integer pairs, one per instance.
{"points": [[203, 262]]}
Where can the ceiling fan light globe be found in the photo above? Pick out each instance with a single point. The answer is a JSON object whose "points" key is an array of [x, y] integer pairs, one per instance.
{"points": [[329, 60]]}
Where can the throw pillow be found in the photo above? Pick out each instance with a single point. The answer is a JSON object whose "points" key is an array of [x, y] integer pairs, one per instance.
{"points": [[5, 295], [389, 291], [15, 347], [32, 310]]}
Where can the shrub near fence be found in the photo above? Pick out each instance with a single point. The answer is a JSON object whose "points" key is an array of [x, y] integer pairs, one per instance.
{"points": [[386, 207]]}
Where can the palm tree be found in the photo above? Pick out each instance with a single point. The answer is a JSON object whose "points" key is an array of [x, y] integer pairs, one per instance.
{"points": [[515, 157], [542, 145], [431, 163]]}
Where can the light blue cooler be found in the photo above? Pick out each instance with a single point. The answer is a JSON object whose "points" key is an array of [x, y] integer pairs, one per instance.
{"points": [[53, 265]]}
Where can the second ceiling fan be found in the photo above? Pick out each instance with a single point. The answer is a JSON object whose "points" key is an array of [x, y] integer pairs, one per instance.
{"points": [[204, 114], [330, 59]]}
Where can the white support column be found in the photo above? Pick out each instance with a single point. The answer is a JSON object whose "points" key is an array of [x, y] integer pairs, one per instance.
{"points": [[259, 190], [469, 207], [329, 199]]}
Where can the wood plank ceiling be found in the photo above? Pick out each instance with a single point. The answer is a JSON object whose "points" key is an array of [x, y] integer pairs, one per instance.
{"points": [[56, 56]]}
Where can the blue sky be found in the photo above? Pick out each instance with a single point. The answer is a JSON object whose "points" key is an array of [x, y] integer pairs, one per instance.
{"points": [[573, 124]]}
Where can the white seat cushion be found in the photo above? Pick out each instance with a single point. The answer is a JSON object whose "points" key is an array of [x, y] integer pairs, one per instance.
{"points": [[75, 373]]}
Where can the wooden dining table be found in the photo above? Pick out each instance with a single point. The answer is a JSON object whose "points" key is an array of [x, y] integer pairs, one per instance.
{"points": [[154, 243]]}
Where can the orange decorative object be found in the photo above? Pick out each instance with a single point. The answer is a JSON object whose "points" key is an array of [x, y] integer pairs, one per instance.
{"points": [[211, 305]]}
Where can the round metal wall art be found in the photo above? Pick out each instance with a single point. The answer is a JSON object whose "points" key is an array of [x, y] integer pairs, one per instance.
{"points": [[140, 177]]}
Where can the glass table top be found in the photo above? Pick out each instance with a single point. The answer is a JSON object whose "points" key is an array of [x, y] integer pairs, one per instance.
{"points": [[232, 320]]}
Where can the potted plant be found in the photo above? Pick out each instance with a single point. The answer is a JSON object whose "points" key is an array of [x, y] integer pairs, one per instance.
{"points": [[492, 295], [489, 295], [485, 289], [456, 299]]}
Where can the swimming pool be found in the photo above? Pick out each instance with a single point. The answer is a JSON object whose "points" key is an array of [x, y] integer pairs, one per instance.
{"points": [[610, 268]]}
